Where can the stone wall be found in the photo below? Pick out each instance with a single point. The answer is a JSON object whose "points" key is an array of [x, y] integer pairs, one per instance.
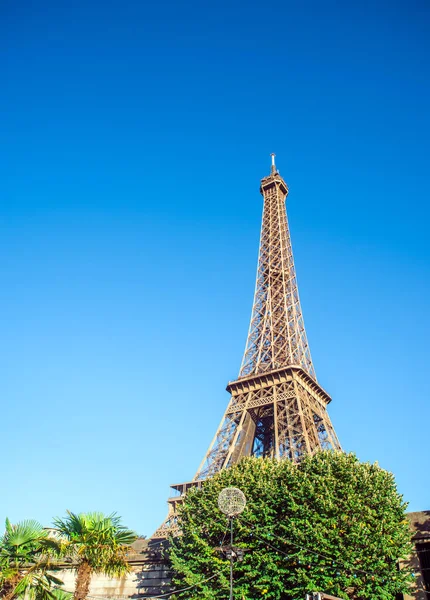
{"points": [[149, 576], [420, 530]]}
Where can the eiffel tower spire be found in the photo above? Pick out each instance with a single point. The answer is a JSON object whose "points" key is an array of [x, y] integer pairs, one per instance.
{"points": [[277, 408], [277, 336]]}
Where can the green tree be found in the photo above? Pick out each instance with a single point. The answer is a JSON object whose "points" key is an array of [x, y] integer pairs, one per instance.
{"points": [[329, 524], [28, 555], [97, 544]]}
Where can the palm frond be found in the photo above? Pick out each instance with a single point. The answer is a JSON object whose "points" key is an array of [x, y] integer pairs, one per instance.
{"points": [[54, 581], [126, 537], [60, 594], [8, 525], [52, 546], [28, 555], [71, 526], [98, 539], [36, 585], [23, 533]]}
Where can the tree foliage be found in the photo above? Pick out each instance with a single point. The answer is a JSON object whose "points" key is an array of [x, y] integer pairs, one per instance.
{"points": [[329, 524], [28, 560], [97, 544]]}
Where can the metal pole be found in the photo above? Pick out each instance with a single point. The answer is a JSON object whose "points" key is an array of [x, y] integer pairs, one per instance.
{"points": [[231, 558]]}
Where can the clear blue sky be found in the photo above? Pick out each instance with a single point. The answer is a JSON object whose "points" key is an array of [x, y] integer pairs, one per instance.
{"points": [[134, 138]]}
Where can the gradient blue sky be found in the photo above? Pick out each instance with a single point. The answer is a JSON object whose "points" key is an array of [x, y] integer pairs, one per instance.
{"points": [[134, 138]]}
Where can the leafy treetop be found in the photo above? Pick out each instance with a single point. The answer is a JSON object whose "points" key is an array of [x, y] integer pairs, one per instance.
{"points": [[329, 524]]}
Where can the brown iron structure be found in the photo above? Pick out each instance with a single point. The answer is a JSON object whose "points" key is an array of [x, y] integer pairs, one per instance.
{"points": [[277, 408]]}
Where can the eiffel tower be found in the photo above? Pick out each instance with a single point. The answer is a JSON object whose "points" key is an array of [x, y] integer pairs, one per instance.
{"points": [[277, 408]]}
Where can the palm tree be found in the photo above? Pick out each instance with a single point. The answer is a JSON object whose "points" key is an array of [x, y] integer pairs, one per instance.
{"points": [[98, 544], [28, 554]]}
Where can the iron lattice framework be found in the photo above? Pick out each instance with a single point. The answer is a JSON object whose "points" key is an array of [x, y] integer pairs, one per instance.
{"points": [[277, 408], [277, 335]]}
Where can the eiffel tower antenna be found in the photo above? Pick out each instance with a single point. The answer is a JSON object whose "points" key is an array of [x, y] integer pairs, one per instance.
{"points": [[273, 163], [277, 408]]}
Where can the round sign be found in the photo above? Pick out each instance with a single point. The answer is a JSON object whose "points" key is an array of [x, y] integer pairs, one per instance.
{"points": [[231, 501]]}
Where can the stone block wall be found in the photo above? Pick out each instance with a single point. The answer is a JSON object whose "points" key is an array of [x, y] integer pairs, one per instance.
{"points": [[149, 576], [420, 529]]}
